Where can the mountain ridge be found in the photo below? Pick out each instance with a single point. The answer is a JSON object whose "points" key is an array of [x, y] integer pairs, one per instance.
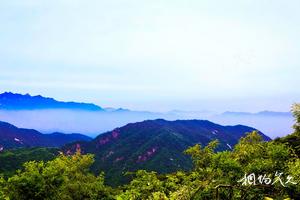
{"points": [[154, 145], [13, 137], [93, 122], [15, 101]]}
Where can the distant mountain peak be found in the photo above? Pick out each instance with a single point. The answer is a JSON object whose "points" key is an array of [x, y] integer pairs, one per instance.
{"points": [[109, 109], [15, 101]]}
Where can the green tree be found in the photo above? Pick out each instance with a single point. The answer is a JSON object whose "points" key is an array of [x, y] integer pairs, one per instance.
{"points": [[66, 177], [250, 155], [2, 186], [293, 140], [145, 185], [296, 113]]}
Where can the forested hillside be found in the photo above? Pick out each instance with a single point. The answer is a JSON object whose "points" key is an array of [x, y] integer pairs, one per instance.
{"points": [[254, 169], [155, 145], [12, 137]]}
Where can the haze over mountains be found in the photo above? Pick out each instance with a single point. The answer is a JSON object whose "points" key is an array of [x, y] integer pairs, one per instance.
{"points": [[49, 115], [126, 140]]}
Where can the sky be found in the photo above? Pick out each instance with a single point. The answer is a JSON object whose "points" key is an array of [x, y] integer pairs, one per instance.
{"points": [[158, 55]]}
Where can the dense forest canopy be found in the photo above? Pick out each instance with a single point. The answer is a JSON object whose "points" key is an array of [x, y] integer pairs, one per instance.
{"points": [[254, 169]]}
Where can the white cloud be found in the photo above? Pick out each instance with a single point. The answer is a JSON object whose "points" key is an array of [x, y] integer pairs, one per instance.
{"points": [[193, 49]]}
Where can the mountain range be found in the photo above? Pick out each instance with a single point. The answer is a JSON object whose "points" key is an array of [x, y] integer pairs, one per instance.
{"points": [[156, 145], [48, 115], [152, 144], [14, 137], [13, 101]]}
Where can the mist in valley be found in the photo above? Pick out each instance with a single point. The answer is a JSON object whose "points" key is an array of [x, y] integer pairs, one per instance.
{"points": [[93, 123]]}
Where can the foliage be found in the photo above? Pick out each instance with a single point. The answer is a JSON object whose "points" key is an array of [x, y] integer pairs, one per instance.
{"points": [[296, 113], [11, 160], [66, 177], [144, 185], [293, 140], [2, 185], [215, 175], [213, 169]]}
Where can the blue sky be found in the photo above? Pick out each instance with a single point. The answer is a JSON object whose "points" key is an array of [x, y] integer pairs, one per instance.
{"points": [[154, 55]]}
